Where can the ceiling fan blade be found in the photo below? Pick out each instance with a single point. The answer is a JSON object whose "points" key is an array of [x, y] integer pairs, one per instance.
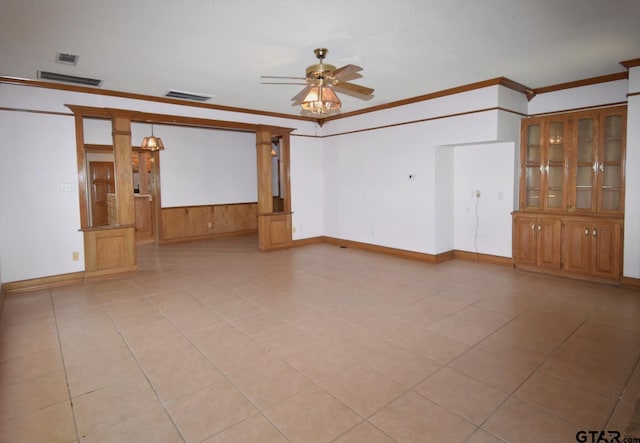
{"points": [[281, 83], [299, 97], [284, 77], [353, 88], [345, 71]]}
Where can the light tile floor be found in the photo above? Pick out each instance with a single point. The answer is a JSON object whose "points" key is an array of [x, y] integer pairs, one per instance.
{"points": [[217, 342]]}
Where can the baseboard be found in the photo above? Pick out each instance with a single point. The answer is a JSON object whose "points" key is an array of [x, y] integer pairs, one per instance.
{"points": [[630, 282], [1, 299], [483, 258], [402, 253], [307, 241], [164, 241], [43, 282]]}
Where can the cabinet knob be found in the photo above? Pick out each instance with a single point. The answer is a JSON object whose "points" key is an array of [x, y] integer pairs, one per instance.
{"points": [[586, 231], [533, 226], [539, 227], [594, 232], [601, 167]]}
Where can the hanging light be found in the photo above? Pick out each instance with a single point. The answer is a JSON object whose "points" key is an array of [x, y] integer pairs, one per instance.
{"points": [[152, 143], [321, 100]]}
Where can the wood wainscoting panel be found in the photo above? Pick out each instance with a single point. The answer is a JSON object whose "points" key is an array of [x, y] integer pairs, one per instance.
{"points": [[174, 223], [188, 223], [110, 250]]}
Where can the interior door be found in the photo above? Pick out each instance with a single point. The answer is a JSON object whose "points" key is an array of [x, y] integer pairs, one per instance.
{"points": [[102, 182]]}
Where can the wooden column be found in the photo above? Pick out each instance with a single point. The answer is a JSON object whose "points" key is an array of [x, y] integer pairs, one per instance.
{"points": [[265, 181], [121, 127], [274, 230]]}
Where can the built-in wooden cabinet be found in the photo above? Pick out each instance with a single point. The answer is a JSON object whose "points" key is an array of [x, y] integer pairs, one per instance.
{"points": [[537, 241], [572, 193], [574, 162]]}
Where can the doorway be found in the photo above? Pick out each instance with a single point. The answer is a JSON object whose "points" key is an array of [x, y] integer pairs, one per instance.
{"points": [[101, 182]]}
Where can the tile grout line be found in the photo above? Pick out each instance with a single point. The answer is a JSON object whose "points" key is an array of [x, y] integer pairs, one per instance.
{"points": [[64, 366]]}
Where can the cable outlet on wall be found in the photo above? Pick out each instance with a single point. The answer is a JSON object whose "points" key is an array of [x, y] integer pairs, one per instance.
{"points": [[477, 193], [75, 255]]}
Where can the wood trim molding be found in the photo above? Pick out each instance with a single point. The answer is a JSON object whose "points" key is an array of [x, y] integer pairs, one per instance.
{"points": [[483, 258], [500, 81], [422, 120], [151, 98], [630, 282], [36, 111], [307, 241], [402, 253], [633, 63], [43, 282], [584, 82], [2, 297]]}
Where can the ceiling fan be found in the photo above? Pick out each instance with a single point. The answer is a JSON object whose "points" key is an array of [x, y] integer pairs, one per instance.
{"points": [[321, 80]]}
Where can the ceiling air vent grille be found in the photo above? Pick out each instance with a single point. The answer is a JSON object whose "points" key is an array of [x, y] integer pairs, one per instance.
{"points": [[67, 59], [86, 81], [188, 95]]}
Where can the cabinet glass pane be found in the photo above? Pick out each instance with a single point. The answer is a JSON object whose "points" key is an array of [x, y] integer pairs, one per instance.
{"points": [[533, 144], [583, 199], [611, 176], [612, 137], [532, 187], [556, 142], [585, 140], [613, 126], [584, 186], [610, 200], [612, 150], [554, 196]]}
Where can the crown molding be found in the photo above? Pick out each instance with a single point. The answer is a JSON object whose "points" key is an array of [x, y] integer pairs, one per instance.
{"points": [[585, 82], [151, 98], [633, 63], [500, 81]]}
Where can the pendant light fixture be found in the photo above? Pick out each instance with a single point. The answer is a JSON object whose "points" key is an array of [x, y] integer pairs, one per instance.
{"points": [[152, 143]]}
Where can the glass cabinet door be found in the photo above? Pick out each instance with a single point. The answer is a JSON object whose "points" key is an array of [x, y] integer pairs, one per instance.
{"points": [[556, 159], [532, 162], [610, 174], [585, 171]]}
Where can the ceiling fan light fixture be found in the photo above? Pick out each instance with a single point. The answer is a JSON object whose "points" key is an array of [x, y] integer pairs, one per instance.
{"points": [[321, 100]]}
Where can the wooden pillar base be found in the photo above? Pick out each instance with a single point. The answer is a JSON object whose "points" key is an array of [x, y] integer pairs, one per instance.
{"points": [[274, 231]]}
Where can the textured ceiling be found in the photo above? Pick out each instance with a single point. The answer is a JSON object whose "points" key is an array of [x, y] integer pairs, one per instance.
{"points": [[406, 47]]}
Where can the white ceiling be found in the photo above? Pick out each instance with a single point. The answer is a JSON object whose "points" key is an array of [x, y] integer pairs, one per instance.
{"points": [[406, 47]]}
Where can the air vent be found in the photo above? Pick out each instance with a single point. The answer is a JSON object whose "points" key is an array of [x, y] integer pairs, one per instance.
{"points": [[188, 95], [67, 59], [86, 81]]}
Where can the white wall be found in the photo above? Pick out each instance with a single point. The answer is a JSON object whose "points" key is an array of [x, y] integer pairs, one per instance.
{"points": [[483, 224], [632, 185], [39, 225], [206, 166], [369, 195], [307, 183]]}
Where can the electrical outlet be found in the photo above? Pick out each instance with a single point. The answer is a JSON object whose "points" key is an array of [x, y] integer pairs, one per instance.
{"points": [[75, 256], [209, 225], [293, 230], [477, 193]]}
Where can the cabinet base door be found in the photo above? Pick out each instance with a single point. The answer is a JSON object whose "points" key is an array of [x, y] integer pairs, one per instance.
{"points": [[577, 247], [549, 243], [524, 240], [605, 250]]}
